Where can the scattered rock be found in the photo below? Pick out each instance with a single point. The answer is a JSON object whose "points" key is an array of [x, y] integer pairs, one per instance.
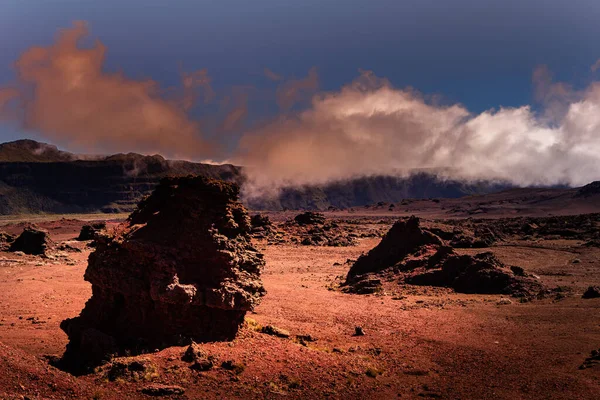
{"points": [[260, 221], [305, 339], [32, 241], [592, 292], [67, 247], [275, 331], [482, 273], [358, 331], [417, 256], [310, 218], [162, 390], [231, 365], [181, 266], [366, 285], [130, 369], [6, 241], [592, 361], [193, 353], [89, 232], [504, 301], [202, 365]]}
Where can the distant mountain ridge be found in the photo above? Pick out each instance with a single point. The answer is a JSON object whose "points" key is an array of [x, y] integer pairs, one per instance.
{"points": [[39, 178], [27, 150]]}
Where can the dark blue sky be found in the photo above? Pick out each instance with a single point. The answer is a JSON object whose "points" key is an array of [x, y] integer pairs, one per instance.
{"points": [[479, 53]]}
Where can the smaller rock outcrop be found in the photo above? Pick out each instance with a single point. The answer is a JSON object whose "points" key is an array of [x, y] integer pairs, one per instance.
{"points": [[309, 218], [405, 237], [32, 240], [6, 240], [414, 255], [89, 232], [592, 292]]}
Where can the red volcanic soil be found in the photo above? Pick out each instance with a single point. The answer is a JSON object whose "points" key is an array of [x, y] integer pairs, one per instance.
{"points": [[419, 342]]}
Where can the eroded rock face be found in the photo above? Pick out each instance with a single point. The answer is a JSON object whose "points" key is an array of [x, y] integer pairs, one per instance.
{"points": [[309, 218], [404, 238], [32, 240], [416, 256], [180, 268], [89, 232]]}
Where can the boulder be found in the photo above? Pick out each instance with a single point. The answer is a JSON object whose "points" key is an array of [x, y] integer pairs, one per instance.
{"points": [[6, 240], [592, 292], [404, 237], [89, 232], [32, 240], [309, 218], [181, 266], [482, 274], [416, 256]]}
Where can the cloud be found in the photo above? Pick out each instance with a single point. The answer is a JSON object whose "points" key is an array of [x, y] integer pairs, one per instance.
{"points": [[237, 105], [295, 90], [596, 66], [69, 99], [370, 128], [272, 75], [6, 96], [191, 81]]}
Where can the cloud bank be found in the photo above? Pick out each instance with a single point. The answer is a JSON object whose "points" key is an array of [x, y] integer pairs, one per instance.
{"points": [[370, 127]]}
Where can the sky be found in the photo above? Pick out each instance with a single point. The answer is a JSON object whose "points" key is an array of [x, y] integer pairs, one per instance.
{"points": [[477, 55]]}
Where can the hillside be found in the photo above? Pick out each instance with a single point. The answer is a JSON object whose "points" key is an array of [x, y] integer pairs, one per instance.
{"points": [[40, 178]]}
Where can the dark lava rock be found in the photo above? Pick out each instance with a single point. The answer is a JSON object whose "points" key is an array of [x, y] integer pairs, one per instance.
{"points": [[365, 285], [193, 353], [32, 240], [6, 240], [592, 361], [181, 266], [482, 273], [310, 218], [260, 221], [417, 256], [593, 292], [89, 232], [275, 331], [129, 369], [404, 238]]}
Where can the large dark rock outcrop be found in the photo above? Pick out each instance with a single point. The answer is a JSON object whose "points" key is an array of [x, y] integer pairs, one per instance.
{"points": [[180, 268], [415, 255]]}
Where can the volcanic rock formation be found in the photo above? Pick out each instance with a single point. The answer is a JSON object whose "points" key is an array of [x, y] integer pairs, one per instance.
{"points": [[89, 232], [419, 257], [181, 268], [32, 240]]}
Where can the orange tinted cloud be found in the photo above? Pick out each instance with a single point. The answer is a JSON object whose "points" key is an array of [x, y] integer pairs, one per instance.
{"points": [[68, 98], [369, 127], [191, 81], [294, 90], [272, 75], [6, 95]]}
